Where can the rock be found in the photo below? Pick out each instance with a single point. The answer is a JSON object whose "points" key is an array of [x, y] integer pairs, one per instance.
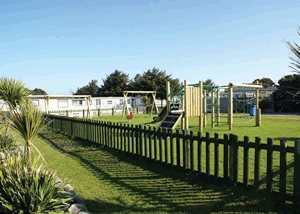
{"points": [[2, 155], [58, 180], [71, 193], [84, 212], [76, 208], [77, 199], [68, 187]]}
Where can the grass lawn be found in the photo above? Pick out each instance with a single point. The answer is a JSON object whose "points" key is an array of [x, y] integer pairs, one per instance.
{"points": [[110, 182], [273, 126]]}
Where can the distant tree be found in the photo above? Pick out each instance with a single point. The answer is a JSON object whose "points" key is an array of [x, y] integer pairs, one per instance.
{"points": [[90, 89], [114, 84], [266, 82], [287, 97], [207, 84], [38, 91], [154, 80]]}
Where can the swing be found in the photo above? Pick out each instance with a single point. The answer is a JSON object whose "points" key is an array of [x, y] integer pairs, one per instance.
{"points": [[130, 116]]}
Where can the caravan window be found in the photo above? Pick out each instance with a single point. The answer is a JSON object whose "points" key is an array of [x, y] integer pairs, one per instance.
{"points": [[98, 102], [121, 101], [35, 102], [109, 102], [62, 103], [128, 101]]}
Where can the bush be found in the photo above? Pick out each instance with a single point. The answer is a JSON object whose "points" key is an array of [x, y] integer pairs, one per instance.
{"points": [[28, 187], [265, 104], [7, 142]]}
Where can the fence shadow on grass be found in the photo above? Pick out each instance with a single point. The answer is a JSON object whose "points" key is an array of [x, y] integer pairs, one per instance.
{"points": [[155, 187]]}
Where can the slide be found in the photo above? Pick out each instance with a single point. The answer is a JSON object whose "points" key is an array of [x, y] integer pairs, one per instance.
{"points": [[161, 115]]}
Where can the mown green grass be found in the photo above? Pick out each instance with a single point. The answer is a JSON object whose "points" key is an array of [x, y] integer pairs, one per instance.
{"points": [[275, 127], [111, 182]]}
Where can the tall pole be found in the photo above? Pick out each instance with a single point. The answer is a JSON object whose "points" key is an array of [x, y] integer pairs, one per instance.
{"points": [[212, 108], [218, 106], [204, 108], [125, 102], [186, 105], [168, 97], [230, 106], [200, 106]]}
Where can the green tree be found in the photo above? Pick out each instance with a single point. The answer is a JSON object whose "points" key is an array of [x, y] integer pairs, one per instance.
{"points": [[154, 80], [266, 82], [288, 94], [206, 85], [90, 89], [114, 84], [38, 91]]}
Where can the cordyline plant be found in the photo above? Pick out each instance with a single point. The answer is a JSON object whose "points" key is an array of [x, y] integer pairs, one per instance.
{"points": [[27, 120], [27, 186], [13, 92]]}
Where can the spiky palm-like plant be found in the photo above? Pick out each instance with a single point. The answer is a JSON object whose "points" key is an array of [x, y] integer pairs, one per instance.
{"points": [[27, 120], [296, 51], [12, 92]]}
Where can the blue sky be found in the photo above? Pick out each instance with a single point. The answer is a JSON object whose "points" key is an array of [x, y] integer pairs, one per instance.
{"points": [[61, 45]]}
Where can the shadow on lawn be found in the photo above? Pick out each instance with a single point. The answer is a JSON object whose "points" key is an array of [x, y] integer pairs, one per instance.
{"points": [[156, 188]]}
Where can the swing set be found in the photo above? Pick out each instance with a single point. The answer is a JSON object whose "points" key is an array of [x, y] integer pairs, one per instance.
{"points": [[129, 115]]}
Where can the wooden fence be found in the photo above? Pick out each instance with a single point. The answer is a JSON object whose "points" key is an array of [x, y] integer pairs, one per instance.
{"points": [[227, 158]]}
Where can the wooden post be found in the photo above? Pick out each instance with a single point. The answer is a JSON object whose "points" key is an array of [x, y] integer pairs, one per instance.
{"points": [[200, 106], [218, 107], [83, 113], [230, 106], [204, 108], [67, 113], [125, 103], [99, 112], [168, 96], [297, 175], [212, 108], [257, 107], [186, 105], [88, 115], [113, 111], [183, 107], [153, 104]]}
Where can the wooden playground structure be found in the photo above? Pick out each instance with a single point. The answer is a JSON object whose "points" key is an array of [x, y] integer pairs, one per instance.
{"points": [[125, 94], [194, 103]]}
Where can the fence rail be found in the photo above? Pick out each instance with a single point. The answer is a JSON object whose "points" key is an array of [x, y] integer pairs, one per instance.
{"points": [[203, 154]]}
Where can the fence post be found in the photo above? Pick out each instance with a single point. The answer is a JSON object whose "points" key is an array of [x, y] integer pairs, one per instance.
{"points": [[137, 110], [233, 158], [297, 175], [83, 113], [99, 112], [67, 113], [113, 111], [187, 149], [257, 162], [282, 176]]}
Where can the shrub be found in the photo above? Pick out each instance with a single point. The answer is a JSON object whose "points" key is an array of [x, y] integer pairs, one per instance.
{"points": [[265, 104], [26, 186], [7, 142]]}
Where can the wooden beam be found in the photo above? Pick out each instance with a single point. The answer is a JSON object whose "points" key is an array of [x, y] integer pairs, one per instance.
{"points": [[186, 105], [218, 107], [140, 92], [168, 97], [124, 103], [212, 108], [200, 106], [245, 85], [230, 106]]}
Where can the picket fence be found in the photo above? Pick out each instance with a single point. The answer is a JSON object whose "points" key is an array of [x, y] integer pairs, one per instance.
{"points": [[199, 153]]}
